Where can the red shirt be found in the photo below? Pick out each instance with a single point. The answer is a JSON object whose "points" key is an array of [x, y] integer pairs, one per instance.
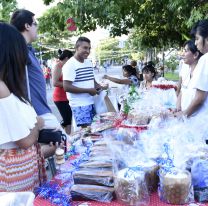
{"points": [[59, 95]]}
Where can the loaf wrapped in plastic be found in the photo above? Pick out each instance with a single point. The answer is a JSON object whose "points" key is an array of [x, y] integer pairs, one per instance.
{"points": [[92, 192], [96, 164], [199, 172], [175, 187], [101, 176], [130, 187], [151, 174]]}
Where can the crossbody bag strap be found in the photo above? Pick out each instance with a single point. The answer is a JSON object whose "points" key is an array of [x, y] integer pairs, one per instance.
{"points": [[28, 83]]}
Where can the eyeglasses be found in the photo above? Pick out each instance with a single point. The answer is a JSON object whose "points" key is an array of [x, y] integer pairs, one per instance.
{"points": [[34, 23]]}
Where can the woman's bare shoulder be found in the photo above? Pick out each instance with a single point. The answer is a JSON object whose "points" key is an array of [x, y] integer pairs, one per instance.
{"points": [[4, 91]]}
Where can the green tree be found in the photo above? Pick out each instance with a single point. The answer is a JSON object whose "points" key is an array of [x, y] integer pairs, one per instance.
{"points": [[156, 23], [6, 8]]}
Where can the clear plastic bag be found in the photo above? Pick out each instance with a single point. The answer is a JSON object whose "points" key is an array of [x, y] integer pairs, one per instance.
{"points": [[199, 171], [176, 187], [98, 176], [131, 188], [92, 192], [17, 198]]}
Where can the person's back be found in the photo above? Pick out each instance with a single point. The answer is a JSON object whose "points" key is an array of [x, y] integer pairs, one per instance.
{"points": [[37, 84]]}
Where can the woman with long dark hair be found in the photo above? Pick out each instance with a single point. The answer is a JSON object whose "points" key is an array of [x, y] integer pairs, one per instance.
{"points": [[20, 157]]}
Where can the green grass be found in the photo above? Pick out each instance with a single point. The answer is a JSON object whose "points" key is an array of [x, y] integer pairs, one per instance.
{"points": [[172, 76]]}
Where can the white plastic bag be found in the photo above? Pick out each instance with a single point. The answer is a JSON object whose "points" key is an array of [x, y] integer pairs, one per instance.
{"points": [[100, 106], [17, 198]]}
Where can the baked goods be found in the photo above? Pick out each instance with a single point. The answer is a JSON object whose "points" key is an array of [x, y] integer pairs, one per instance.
{"points": [[92, 192], [96, 164], [130, 187], [59, 156], [151, 174], [175, 187]]}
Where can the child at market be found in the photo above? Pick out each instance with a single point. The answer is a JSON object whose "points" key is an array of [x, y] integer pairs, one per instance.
{"points": [[131, 76], [149, 73]]}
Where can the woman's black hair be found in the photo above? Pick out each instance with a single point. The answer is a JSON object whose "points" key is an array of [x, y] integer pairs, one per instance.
{"points": [[13, 60], [192, 47], [149, 68], [65, 53], [130, 70], [202, 28]]}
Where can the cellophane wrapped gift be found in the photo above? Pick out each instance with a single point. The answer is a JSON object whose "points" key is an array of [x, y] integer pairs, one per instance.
{"points": [[92, 192], [176, 187], [94, 176], [200, 179], [130, 187]]}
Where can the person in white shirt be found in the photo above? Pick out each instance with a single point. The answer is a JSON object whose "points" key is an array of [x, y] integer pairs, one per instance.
{"points": [[190, 59], [79, 83], [199, 100]]}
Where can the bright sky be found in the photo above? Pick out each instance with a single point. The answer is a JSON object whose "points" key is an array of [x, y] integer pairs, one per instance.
{"points": [[38, 8]]}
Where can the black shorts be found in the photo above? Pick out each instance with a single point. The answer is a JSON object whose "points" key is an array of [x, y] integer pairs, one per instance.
{"points": [[65, 111]]}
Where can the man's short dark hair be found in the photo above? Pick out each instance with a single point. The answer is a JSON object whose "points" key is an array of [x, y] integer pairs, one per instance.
{"points": [[21, 17], [81, 39]]}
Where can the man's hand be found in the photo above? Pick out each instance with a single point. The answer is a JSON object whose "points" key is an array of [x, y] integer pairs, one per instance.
{"points": [[105, 76], [92, 91]]}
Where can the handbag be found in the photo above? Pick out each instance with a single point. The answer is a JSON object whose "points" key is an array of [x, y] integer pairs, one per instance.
{"points": [[51, 135]]}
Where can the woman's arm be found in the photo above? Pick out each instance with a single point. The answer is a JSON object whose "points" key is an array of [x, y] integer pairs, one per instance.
{"points": [[196, 103], [32, 138], [178, 103], [118, 81], [57, 72], [179, 86]]}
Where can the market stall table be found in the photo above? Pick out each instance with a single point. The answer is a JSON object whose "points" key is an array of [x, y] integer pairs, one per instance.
{"points": [[154, 201]]}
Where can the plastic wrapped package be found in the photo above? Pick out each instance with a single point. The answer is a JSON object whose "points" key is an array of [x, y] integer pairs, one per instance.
{"points": [[17, 198], [98, 176], [92, 192], [130, 187], [150, 169], [175, 187], [199, 172], [96, 164], [127, 135]]}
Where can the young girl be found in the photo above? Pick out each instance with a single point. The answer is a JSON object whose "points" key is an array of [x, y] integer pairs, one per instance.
{"points": [[149, 74], [131, 76]]}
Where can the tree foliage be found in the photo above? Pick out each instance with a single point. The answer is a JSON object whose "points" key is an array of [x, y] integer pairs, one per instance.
{"points": [[6, 8], [156, 23]]}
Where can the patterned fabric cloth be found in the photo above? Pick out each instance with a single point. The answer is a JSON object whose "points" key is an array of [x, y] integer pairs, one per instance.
{"points": [[83, 115], [21, 169]]}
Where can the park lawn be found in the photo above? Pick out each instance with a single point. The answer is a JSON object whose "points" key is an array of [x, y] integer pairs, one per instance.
{"points": [[172, 76]]}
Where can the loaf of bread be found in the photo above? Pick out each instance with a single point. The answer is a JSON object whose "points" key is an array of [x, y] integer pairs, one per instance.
{"points": [[101, 176], [130, 187], [92, 192], [175, 187]]}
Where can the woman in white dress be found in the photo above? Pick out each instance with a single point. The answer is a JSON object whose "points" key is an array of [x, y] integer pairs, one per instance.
{"points": [[21, 163], [190, 57], [198, 100]]}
